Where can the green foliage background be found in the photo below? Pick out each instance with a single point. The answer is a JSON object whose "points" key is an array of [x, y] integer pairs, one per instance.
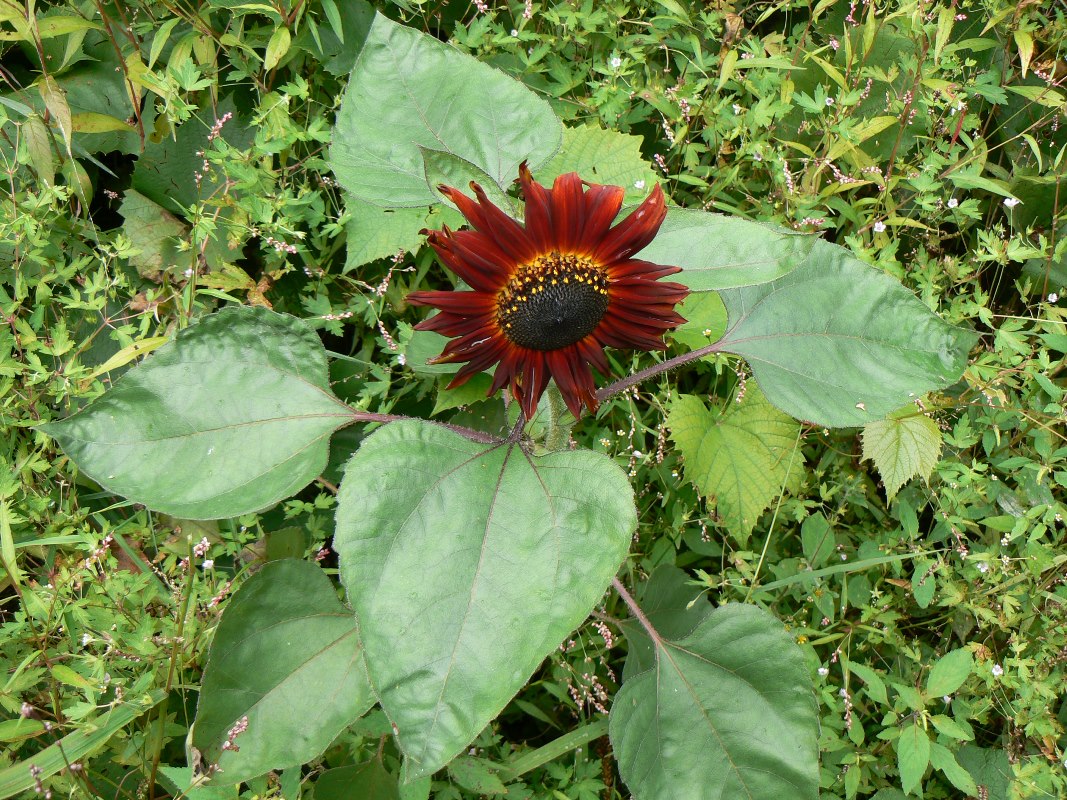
{"points": [[165, 160]]}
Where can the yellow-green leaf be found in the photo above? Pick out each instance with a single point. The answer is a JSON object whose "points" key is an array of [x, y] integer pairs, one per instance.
{"points": [[902, 447], [741, 459]]}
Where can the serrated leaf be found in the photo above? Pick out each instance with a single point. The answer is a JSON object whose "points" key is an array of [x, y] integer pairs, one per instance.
{"points": [[441, 99], [942, 759], [902, 447], [875, 685], [717, 252], [728, 709], [374, 232], [466, 565], [949, 673], [839, 343], [741, 459], [913, 756], [232, 416], [602, 156], [286, 644]]}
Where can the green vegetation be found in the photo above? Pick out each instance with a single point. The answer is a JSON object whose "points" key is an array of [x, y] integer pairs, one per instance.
{"points": [[166, 161]]}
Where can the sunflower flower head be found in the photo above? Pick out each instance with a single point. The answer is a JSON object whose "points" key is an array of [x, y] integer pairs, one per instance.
{"points": [[547, 297]]}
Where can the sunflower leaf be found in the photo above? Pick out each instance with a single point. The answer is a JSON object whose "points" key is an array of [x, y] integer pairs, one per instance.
{"points": [[741, 459], [285, 643], [728, 706], [232, 416], [838, 343], [410, 91], [466, 565], [720, 252]]}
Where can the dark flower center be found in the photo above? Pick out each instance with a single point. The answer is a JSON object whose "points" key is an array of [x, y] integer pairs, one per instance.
{"points": [[553, 302]]}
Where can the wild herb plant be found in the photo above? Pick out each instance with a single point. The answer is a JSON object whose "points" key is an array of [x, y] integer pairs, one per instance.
{"points": [[927, 615]]}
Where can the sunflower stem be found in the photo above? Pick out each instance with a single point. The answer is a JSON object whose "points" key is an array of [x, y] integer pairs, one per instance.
{"points": [[557, 435], [656, 369]]}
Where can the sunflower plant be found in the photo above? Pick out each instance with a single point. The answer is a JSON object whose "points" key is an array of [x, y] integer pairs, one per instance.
{"points": [[467, 553]]}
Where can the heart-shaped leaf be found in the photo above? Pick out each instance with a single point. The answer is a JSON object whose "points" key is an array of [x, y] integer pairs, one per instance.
{"points": [[838, 343], [903, 445], [727, 711], [286, 644], [741, 459], [408, 91], [232, 416], [466, 565]]}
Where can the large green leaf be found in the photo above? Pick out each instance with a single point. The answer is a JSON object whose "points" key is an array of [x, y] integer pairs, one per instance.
{"points": [[902, 446], [727, 711], [466, 565], [673, 606], [232, 416], [286, 644], [741, 459], [838, 343], [720, 252], [410, 91]]}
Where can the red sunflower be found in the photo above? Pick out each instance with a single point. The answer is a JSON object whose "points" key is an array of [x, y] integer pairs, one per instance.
{"points": [[547, 297]]}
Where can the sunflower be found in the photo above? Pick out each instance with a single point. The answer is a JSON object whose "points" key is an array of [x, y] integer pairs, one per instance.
{"points": [[547, 297]]}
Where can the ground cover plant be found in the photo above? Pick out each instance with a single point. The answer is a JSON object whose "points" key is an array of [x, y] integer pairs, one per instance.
{"points": [[259, 538]]}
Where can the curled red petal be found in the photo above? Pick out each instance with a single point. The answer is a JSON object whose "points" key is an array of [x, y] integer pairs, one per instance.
{"points": [[635, 232]]}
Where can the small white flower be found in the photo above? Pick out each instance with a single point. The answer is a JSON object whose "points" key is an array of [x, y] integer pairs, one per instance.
{"points": [[1011, 202], [737, 108], [87, 639], [823, 672], [208, 563], [757, 156], [843, 692], [953, 202], [638, 454], [829, 101], [615, 62], [514, 32], [1053, 298], [947, 699], [402, 359], [844, 557], [983, 567], [639, 185], [879, 227], [997, 670]]}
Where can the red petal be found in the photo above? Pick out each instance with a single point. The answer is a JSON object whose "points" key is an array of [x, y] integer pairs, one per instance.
{"points": [[602, 204], [468, 303], [568, 211], [475, 272], [635, 232], [573, 378], [636, 268], [538, 211], [490, 221]]}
